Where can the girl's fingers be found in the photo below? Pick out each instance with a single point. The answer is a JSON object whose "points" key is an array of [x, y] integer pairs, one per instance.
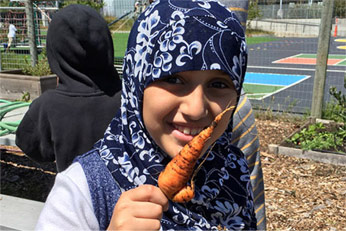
{"points": [[149, 193], [148, 224], [136, 224], [148, 210], [139, 208]]}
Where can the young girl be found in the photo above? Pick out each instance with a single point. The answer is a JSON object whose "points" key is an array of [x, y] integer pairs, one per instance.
{"points": [[185, 63]]}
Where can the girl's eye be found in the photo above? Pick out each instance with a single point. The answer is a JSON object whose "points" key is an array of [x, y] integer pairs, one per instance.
{"points": [[219, 84], [173, 80]]}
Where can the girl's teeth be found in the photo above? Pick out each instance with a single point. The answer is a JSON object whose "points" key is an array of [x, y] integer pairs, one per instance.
{"points": [[194, 132], [187, 131]]}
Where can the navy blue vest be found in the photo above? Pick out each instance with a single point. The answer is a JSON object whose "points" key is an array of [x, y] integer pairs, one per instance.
{"points": [[103, 189]]}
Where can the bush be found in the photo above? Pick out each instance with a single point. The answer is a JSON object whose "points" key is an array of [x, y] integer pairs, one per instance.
{"points": [[40, 69], [318, 137], [330, 137], [253, 12], [336, 110]]}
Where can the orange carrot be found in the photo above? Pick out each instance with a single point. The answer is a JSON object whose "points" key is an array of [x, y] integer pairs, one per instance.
{"points": [[173, 179]]}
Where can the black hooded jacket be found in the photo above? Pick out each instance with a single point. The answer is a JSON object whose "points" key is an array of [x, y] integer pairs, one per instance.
{"points": [[67, 121]]}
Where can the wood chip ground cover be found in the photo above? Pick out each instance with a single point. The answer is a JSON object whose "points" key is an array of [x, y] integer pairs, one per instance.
{"points": [[300, 194]]}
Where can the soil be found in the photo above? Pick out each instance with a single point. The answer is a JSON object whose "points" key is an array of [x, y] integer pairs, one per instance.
{"points": [[300, 194], [22, 177]]}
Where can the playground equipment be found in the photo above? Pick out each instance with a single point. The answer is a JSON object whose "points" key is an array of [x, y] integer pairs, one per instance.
{"points": [[18, 17], [139, 7]]}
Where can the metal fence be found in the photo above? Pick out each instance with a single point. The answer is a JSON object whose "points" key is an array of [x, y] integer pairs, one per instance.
{"points": [[117, 8], [18, 54], [291, 11], [288, 56]]}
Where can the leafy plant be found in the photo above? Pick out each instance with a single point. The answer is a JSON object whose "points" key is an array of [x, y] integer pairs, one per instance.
{"points": [[25, 97], [40, 69], [315, 137], [253, 12], [336, 110], [339, 8], [320, 137]]}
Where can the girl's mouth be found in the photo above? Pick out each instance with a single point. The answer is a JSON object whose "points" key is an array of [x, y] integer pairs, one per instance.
{"points": [[188, 131], [185, 134]]}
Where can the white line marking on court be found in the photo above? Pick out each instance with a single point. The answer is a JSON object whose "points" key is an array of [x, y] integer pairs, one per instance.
{"points": [[295, 69], [293, 56], [282, 89]]}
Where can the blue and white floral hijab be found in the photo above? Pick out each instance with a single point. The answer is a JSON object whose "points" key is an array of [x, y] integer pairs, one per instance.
{"points": [[169, 37]]}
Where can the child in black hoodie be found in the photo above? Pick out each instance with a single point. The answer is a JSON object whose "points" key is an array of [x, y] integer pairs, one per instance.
{"points": [[67, 121]]}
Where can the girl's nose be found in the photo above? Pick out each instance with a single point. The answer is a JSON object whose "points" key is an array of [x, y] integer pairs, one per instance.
{"points": [[195, 104]]}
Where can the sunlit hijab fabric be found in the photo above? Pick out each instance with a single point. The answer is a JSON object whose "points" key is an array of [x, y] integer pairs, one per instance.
{"points": [[169, 37]]}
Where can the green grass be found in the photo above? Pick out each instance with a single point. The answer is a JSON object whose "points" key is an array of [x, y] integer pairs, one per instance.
{"points": [[120, 43], [256, 40]]}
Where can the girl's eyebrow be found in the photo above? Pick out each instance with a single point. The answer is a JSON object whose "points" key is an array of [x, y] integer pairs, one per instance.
{"points": [[222, 76], [175, 75], [171, 75]]}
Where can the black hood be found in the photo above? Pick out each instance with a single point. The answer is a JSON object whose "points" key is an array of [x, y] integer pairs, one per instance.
{"points": [[80, 51]]}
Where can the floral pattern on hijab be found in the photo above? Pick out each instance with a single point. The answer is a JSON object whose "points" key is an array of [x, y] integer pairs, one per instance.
{"points": [[169, 37]]}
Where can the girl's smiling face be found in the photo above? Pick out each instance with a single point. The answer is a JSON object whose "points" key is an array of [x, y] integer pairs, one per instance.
{"points": [[178, 107]]}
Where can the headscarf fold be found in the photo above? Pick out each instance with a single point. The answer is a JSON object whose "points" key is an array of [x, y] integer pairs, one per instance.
{"points": [[169, 37]]}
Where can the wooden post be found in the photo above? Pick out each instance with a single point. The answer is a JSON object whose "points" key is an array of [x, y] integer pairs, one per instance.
{"points": [[31, 31], [322, 58], [0, 62]]}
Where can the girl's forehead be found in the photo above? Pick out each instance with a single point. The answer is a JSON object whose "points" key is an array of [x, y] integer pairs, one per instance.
{"points": [[196, 74], [214, 72]]}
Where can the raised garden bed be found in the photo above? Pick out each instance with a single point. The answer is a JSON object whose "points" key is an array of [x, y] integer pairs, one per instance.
{"points": [[24, 178], [14, 84], [332, 155]]}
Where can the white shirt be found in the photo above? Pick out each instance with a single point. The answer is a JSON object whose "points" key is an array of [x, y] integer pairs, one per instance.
{"points": [[11, 31], [69, 205]]}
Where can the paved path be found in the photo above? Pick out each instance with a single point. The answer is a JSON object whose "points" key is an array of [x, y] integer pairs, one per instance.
{"points": [[18, 213]]}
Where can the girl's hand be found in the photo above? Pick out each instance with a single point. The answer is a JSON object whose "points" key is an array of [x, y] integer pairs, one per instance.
{"points": [[140, 208]]}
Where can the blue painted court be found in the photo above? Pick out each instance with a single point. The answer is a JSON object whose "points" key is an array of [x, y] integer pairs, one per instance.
{"points": [[261, 85]]}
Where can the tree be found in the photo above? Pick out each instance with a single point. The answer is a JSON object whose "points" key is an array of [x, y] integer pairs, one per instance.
{"points": [[96, 4], [340, 8], [253, 12]]}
